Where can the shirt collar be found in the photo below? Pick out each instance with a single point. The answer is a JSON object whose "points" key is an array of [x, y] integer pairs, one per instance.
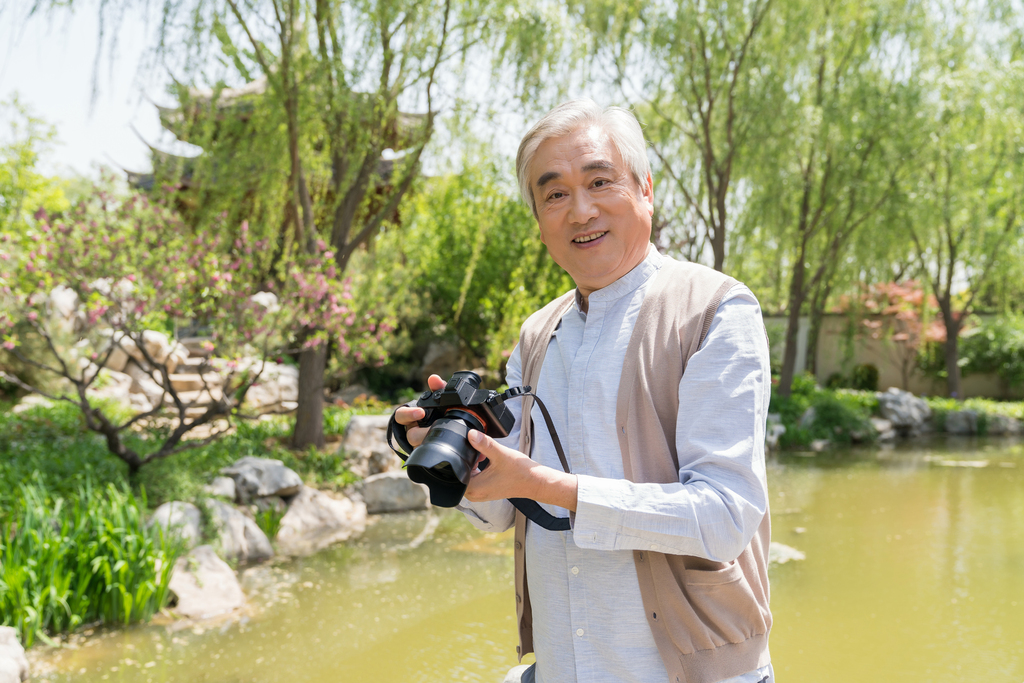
{"points": [[626, 284]]}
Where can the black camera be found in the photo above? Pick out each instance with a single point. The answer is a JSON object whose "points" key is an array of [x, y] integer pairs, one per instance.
{"points": [[445, 460]]}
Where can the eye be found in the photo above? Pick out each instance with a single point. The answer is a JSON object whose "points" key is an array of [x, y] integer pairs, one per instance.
{"points": [[601, 182], [556, 195]]}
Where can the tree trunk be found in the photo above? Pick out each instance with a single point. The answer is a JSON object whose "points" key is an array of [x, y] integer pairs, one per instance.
{"points": [[796, 301], [309, 418], [952, 351]]}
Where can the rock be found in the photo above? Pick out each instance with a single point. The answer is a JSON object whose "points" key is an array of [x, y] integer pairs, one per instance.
{"points": [[183, 519], [393, 492], [351, 394], [807, 419], [773, 431], [779, 553], [222, 487], [32, 401], [884, 429], [205, 585], [274, 503], [13, 663], [143, 383], [819, 445], [366, 447], [907, 413], [276, 385], [257, 477], [999, 425], [441, 358], [113, 385], [240, 538], [962, 422], [316, 520]]}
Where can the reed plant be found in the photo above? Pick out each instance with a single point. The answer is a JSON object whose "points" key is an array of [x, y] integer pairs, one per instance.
{"points": [[88, 559]]}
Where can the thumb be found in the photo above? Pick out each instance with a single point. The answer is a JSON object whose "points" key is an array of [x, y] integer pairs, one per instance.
{"points": [[481, 441]]}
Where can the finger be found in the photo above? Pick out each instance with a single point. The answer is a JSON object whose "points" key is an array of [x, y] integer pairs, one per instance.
{"points": [[481, 442], [436, 382], [416, 435], [407, 415]]}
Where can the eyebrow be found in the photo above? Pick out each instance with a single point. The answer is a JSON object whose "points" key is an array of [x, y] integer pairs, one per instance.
{"points": [[599, 165]]}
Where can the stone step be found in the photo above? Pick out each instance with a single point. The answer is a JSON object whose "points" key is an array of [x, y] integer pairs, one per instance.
{"points": [[194, 382], [196, 398]]}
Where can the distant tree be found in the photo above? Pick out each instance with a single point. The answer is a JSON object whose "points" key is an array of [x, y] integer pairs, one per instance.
{"points": [[24, 188]]}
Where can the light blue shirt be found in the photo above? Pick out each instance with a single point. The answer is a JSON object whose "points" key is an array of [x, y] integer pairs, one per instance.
{"points": [[588, 618]]}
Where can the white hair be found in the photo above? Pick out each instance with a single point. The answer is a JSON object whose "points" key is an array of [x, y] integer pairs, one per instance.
{"points": [[568, 117]]}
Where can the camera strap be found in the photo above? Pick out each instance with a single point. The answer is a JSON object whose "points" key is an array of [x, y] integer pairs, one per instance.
{"points": [[531, 508]]}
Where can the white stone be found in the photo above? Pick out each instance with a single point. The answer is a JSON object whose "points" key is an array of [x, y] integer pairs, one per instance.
{"points": [[240, 538], [267, 300], [819, 445], [143, 383], [366, 447], [779, 553], [962, 422], [999, 425], [773, 433], [182, 519], [31, 401], [906, 412], [393, 492], [884, 428], [205, 585], [316, 520], [258, 477], [112, 385], [223, 487], [13, 663]]}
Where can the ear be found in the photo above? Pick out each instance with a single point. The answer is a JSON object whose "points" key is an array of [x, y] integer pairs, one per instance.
{"points": [[648, 195]]}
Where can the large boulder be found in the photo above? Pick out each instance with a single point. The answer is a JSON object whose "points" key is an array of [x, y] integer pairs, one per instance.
{"points": [[277, 385], [907, 413], [257, 477], [962, 422], [181, 519], [156, 344], [241, 538], [365, 444], [393, 492], [111, 384], [316, 519], [222, 487], [999, 425], [205, 586], [13, 663], [144, 384], [883, 428]]}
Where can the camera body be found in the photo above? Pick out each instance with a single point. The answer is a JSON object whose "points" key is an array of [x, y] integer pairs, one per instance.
{"points": [[445, 460]]}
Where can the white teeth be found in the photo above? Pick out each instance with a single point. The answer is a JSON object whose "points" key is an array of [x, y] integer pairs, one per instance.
{"points": [[589, 238]]}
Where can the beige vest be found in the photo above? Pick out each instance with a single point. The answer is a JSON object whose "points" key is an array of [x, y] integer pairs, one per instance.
{"points": [[710, 620]]}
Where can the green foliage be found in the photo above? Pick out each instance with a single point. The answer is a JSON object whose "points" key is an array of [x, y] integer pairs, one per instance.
{"points": [[269, 521], [995, 347], [839, 416], [864, 377], [64, 563]]}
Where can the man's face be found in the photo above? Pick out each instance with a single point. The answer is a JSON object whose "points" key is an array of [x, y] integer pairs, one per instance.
{"points": [[593, 218]]}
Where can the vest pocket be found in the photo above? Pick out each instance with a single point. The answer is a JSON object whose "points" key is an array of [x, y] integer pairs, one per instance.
{"points": [[721, 605]]}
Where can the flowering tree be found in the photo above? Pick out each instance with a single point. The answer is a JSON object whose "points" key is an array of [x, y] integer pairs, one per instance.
{"points": [[89, 291], [903, 316]]}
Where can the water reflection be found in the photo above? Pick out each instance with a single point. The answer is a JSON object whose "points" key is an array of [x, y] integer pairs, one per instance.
{"points": [[914, 572]]}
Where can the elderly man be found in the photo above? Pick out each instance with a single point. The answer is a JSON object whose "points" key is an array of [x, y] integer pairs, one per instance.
{"points": [[656, 376]]}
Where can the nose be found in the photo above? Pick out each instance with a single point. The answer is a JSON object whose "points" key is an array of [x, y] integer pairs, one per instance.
{"points": [[582, 208]]}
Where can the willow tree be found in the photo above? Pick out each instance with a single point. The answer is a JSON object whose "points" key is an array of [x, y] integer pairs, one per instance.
{"points": [[837, 161], [963, 207]]}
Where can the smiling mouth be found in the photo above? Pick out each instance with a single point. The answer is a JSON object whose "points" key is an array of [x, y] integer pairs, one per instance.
{"points": [[589, 238]]}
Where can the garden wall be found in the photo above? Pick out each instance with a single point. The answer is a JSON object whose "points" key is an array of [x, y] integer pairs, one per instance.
{"points": [[832, 358]]}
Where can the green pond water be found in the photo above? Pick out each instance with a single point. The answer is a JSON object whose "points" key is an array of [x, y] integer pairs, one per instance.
{"points": [[914, 571]]}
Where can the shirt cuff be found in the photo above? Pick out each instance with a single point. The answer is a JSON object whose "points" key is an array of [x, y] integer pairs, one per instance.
{"points": [[597, 521]]}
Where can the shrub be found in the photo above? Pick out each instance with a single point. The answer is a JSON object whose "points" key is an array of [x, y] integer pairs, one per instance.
{"points": [[64, 563], [839, 415], [864, 377], [997, 347]]}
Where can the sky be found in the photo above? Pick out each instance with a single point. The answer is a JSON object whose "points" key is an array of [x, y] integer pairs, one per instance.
{"points": [[50, 62]]}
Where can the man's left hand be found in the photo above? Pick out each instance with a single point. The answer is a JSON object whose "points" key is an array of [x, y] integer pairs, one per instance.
{"points": [[511, 474]]}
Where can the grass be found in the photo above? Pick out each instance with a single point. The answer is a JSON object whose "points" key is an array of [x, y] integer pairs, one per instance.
{"points": [[64, 563], [74, 546]]}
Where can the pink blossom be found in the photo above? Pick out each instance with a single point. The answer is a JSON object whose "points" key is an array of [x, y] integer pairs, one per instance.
{"points": [[9, 345]]}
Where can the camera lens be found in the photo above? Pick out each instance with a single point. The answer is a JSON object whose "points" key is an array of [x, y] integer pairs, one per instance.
{"points": [[445, 460]]}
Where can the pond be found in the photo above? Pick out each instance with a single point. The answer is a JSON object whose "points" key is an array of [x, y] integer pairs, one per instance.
{"points": [[914, 572]]}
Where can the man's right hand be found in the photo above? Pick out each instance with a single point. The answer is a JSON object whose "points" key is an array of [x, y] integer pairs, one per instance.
{"points": [[410, 415]]}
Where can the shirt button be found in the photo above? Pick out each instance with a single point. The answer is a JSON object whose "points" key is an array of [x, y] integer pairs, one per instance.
{"points": [[579, 632], [519, 546], [575, 570], [654, 547]]}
